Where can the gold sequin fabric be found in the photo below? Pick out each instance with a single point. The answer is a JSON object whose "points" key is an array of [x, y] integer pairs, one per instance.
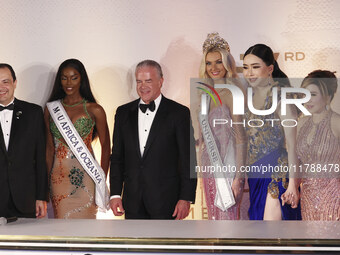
{"points": [[72, 190], [320, 194]]}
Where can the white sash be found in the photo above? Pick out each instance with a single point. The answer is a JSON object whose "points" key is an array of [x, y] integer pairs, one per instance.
{"points": [[81, 152], [224, 195]]}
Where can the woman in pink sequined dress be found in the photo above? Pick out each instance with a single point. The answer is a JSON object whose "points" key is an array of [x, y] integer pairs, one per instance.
{"points": [[318, 144], [218, 66]]}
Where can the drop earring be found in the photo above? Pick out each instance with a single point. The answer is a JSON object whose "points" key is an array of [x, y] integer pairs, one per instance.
{"points": [[270, 81]]}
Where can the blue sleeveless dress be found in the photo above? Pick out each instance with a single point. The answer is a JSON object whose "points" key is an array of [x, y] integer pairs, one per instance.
{"points": [[266, 147]]}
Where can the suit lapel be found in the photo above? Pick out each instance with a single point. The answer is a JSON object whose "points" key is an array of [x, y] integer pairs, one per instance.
{"points": [[15, 123], [159, 118], [2, 141], [134, 126]]}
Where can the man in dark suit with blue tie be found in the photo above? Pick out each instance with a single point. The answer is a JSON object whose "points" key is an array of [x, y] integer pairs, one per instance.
{"points": [[23, 175], [151, 165]]}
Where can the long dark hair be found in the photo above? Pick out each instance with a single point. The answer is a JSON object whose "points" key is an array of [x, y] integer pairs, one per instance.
{"points": [[265, 53], [85, 89]]}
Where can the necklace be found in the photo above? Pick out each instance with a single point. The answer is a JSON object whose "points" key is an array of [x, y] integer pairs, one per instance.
{"points": [[72, 105]]}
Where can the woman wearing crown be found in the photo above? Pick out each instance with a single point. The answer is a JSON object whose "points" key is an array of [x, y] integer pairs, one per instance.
{"points": [[218, 67]]}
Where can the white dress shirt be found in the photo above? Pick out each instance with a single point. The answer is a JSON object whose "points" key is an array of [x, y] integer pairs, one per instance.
{"points": [[6, 123], [145, 122]]}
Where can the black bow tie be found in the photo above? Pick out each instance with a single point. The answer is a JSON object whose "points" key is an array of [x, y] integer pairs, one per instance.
{"points": [[8, 107], [144, 107]]}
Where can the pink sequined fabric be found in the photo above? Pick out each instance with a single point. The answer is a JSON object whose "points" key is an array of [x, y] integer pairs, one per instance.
{"points": [[223, 136], [316, 144]]}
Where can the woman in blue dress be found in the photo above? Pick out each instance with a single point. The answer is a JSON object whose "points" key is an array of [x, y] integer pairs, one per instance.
{"points": [[269, 143]]}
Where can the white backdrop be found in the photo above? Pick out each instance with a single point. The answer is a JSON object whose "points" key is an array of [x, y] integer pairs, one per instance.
{"points": [[111, 36]]}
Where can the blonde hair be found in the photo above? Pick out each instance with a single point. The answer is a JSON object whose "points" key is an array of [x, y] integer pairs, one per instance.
{"points": [[227, 60], [325, 80]]}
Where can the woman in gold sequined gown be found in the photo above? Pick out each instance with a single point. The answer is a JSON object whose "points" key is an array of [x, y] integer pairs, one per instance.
{"points": [[319, 146], [72, 191]]}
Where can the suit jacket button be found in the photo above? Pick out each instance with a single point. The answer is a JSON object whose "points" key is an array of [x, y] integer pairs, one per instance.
{"points": [[141, 166]]}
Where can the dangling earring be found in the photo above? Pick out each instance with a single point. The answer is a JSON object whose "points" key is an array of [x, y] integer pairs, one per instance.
{"points": [[328, 103], [270, 81]]}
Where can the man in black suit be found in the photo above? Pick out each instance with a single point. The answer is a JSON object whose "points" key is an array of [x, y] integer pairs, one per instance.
{"points": [[23, 176], [151, 161]]}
